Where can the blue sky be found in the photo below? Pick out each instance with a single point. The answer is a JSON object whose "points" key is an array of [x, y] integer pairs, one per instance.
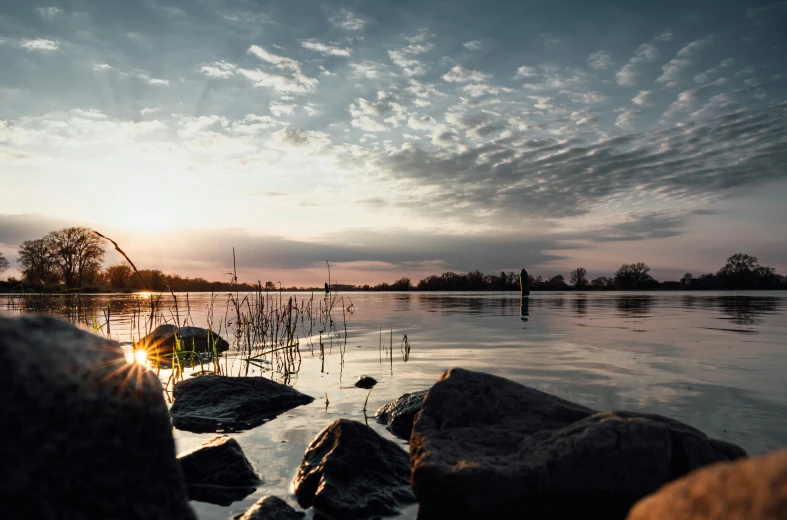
{"points": [[398, 138]]}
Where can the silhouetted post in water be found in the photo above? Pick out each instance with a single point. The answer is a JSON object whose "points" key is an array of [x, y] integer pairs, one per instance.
{"points": [[327, 289], [524, 308], [524, 282]]}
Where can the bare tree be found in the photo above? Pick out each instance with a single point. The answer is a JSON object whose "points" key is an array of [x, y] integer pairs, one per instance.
{"points": [[687, 278], [578, 277], [37, 261], [78, 251], [3, 263]]}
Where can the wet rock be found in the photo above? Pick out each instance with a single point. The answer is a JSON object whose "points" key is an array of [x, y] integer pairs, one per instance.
{"points": [[221, 403], [270, 508], [366, 382], [751, 489], [349, 471], [218, 472], [85, 434], [193, 338], [399, 415], [484, 446]]}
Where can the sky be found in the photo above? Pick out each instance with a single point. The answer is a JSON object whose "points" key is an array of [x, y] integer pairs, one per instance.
{"points": [[398, 138]]}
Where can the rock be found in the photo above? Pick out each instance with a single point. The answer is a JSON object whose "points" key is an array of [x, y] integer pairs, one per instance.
{"points": [[84, 434], [399, 415], [218, 472], [349, 471], [751, 489], [212, 403], [484, 446], [366, 382], [194, 338], [270, 508]]}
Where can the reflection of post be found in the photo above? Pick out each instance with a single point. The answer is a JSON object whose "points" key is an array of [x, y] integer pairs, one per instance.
{"points": [[524, 282], [524, 308], [327, 289]]}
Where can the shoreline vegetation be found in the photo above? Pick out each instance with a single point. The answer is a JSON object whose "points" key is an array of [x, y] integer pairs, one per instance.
{"points": [[70, 261]]}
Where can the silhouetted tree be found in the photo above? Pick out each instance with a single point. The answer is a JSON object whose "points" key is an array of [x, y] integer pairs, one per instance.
{"points": [[602, 282], [402, 284], [740, 271], [3, 263], [77, 251], [117, 276], [38, 262], [632, 276], [578, 277], [687, 278]]}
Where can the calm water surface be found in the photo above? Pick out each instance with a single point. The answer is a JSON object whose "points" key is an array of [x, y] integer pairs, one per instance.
{"points": [[716, 361]]}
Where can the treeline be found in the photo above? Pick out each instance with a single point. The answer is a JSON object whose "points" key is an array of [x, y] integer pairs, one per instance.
{"points": [[71, 259]]}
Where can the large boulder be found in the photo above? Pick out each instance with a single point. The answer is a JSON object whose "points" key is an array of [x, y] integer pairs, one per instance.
{"points": [[194, 339], [222, 403], [270, 508], [218, 472], [349, 471], [484, 446], [399, 415], [750, 489], [84, 434]]}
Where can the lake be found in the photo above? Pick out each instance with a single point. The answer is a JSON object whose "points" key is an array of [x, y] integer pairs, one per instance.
{"points": [[714, 360]]}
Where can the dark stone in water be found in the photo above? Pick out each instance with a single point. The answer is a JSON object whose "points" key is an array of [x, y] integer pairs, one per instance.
{"points": [[193, 338], [218, 472], [270, 508], [751, 489], [484, 446], [349, 471], [212, 403], [366, 382], [84, 434], [399, 415]]}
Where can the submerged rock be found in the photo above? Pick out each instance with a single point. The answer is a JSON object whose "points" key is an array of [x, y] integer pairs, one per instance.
{"points": [[218, 472], [349, 471], [366, 382], [270, 508], [85, 434], [484, 446], [751, 489], [212, 403], [399, 415], [193, 338]]}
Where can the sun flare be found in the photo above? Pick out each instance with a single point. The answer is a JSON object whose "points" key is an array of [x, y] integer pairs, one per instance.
{"points": [[140, 357]]}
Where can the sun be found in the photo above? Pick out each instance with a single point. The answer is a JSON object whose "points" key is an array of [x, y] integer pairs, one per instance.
{"points": [[140, 357]]}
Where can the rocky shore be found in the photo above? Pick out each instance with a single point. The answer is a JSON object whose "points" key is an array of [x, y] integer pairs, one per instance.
{"points": [[88, 435]]}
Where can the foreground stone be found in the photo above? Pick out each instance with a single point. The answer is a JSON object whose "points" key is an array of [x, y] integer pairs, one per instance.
{"points": [[366, 382], [399, 415], [484, 446], [752, 489], [84, 434], [349, 471], [270, 508], [193, 338], [221, 403], [218, 472]]}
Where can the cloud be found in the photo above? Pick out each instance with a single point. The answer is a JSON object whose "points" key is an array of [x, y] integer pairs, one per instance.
{"points": [[587, 98], [40, 45], [367, 124], [627, 119], [219, 69], [279, 109], [459, 74], [418, 44], [644, 98], [526, 72], [600, 60], [672, 69], [347, 20], [659, 224], [755, 12], [472, 45], [369, 70], [326, 49], [103, 66], [552, 77], [291, 80], [421, 122], [664, 37], [48, 12], [627, 75]]}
